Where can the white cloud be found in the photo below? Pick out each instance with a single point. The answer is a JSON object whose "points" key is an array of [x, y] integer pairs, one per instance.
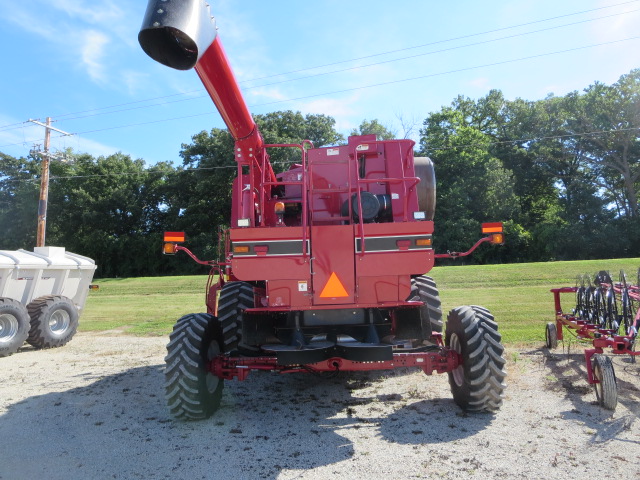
{"points": [[135, 81], [84, 145], [336, 108], [481, 83], [90, 12], [80, 30], [93, 43]]}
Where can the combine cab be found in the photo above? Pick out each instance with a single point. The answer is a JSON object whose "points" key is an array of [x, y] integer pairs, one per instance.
{"points": [[325, 263]]}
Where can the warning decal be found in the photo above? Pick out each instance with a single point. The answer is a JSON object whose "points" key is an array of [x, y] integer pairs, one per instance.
{"points": [[333, 288]]}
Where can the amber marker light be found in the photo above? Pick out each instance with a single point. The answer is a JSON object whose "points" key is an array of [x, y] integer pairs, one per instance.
{"points": [[241, 249], [169, 248], [423, 242], [497, 238]]}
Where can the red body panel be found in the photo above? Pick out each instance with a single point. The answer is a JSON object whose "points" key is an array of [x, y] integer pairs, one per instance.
{"points": [[332, 250]]}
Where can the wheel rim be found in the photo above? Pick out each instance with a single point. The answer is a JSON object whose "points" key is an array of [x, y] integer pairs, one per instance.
{"points": [[59, 322], [211, 380], [8, 327], [458, 372]]}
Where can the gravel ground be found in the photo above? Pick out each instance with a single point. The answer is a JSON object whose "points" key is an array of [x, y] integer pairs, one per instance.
{"points": [[94, 409]]}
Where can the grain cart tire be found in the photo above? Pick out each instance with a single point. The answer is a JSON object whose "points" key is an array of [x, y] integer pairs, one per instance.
{"points": [[54, 321], [235, 298], [14, 326], [423, 289], [192, 392], [551, 336], [478, 383], [606, 388]]}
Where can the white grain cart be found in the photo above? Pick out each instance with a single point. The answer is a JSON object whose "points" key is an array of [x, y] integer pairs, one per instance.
{"points": [[41, 296]]}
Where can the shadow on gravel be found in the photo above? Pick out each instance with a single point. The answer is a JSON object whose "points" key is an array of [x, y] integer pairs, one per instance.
{"points": [[568, 374], [118, 427], [432, 421]]}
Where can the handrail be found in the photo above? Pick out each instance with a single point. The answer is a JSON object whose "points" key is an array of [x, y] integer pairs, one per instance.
{"points": [[302, 183]]}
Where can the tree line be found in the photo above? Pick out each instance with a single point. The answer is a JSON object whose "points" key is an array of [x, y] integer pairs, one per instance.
{"points": [[562, 173]]}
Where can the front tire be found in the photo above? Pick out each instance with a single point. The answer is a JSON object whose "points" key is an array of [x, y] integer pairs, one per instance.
{"points": [[424, 289], [192, 392], [54, 321], [478, 383], [235, 298], [14, 326], [551, 336]]}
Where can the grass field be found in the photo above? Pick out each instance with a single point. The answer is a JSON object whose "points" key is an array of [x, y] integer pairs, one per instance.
{"points": [[517, 294]]}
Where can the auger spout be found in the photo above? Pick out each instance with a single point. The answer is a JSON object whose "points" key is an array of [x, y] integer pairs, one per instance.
{"points": [[182, 34]]}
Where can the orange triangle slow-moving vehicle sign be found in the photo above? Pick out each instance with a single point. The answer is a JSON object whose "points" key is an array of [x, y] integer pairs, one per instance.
{"points": [[333, 288]]}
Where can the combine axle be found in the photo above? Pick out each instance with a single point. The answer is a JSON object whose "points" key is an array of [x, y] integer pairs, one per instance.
{"points": [[441, 361]]}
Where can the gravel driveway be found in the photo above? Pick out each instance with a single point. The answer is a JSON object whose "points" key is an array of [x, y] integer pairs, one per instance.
{"points": [[94, 409]]}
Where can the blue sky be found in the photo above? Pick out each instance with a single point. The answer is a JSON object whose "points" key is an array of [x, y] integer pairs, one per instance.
{"points": [[79, 62]]}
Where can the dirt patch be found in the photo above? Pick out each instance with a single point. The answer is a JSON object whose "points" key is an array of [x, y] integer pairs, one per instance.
{"points": [[95, 409]]}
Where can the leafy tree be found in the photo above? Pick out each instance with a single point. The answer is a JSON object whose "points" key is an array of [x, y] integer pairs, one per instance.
{"points": [[472, 185], [374, 127], [614, 154], [19, 191]]}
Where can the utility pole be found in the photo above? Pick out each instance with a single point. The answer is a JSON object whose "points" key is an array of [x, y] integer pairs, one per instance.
{"points": [[44, 180]]}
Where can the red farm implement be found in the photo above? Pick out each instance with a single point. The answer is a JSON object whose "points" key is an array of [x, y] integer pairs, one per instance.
{"points": [[324, 264], [607, 315]]}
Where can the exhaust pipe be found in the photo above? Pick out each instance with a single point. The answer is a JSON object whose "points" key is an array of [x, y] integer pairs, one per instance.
{"points": [[176, 33]]}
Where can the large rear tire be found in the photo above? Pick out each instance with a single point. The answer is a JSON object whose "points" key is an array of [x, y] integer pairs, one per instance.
{"points": [[192, 392], [14, 326], [235, 298], [424, 289], [54, 321], [478, 384]]}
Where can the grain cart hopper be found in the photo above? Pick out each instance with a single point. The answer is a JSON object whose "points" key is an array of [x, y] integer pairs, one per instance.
{"points": [[41, 295], [325, 262]]}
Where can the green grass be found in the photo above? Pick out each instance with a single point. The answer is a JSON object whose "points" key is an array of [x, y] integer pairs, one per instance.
{"points": [[517, 294], [142, 306]]}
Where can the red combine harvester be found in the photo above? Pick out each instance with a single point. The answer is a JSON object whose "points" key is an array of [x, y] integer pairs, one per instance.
{"points": [[324, 265]]}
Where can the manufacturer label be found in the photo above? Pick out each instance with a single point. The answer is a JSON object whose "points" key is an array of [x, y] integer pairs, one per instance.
{"points": [[333, 151], [360, 148], [302, 286], [395, 196]]}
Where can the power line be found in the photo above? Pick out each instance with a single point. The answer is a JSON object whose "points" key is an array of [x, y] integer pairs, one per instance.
{"points": [[391, 82], [527, 140], [234, 166], [441, 50], [358, 67], [462, 37], [12, 125]]}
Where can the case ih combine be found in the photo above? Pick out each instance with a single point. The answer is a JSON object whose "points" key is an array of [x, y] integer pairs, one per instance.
{"points": [[324, 265]]}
